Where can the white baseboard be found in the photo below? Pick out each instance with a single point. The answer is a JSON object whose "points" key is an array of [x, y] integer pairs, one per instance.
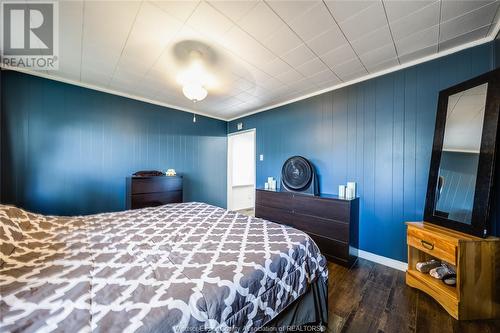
{"points": [[396, 264]]}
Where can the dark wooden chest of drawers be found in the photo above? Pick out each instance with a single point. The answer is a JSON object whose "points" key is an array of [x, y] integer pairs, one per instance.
{"points": [[330, 221], [153, 191]]}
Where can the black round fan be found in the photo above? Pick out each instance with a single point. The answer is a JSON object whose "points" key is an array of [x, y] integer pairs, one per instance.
{"points": [[297, 174]]}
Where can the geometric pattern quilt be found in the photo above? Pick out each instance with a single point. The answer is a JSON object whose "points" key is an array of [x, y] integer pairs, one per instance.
{"points": [[188, 267]]}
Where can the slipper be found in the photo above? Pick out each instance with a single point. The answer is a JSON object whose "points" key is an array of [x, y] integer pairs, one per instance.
{"points": [[441, 271], [450, 279], [426, 266]]}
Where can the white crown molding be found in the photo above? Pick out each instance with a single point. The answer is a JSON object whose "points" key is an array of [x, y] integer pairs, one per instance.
{"points": [[396, 264], [106, 90]]}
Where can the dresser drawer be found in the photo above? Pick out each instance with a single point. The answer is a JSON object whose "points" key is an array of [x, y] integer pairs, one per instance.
{"points": [[273, 214], [155, 199], [279, 200], [338, 210], [432, 244], [328, 228], [332, 249], [156, 184]]}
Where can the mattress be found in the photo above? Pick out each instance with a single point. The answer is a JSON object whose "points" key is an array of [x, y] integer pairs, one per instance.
{"points": [[188, 267]]}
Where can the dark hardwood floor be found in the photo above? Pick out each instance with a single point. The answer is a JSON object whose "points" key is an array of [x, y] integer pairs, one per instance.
{"points": [[369, 297]]}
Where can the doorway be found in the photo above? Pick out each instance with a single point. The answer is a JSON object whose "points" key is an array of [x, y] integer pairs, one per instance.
{"points": [[241, 171]]}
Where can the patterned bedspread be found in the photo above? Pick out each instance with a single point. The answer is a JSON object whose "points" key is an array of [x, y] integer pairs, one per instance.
{"points": [[176, 268]]}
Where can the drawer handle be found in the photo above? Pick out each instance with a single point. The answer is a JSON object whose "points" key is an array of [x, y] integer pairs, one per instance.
{"points": [[427, 245]]}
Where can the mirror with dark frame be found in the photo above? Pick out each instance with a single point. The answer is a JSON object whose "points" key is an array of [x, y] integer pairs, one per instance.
{"points": [[463, 156]]}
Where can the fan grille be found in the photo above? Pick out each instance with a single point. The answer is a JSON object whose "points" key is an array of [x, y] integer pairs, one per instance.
{"points": [[296, 173]]}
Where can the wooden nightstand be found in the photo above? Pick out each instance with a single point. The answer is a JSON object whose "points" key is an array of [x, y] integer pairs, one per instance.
{"points": [[477, 262]]}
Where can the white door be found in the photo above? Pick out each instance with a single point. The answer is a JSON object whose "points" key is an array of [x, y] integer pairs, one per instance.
{"points": [[241, 170]]}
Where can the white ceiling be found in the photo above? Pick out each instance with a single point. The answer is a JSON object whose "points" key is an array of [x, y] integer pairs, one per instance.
{"points": [[269, 51]]}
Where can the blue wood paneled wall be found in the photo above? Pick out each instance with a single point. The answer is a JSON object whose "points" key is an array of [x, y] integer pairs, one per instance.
{"points": [[67, 150], [378, 133]]}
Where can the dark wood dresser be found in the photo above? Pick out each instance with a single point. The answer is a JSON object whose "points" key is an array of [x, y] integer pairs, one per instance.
{"points": [[153, 191], [330, 221]]}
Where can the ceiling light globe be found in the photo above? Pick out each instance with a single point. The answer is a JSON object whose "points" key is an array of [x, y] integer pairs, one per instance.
{"points": [[194, 92]]}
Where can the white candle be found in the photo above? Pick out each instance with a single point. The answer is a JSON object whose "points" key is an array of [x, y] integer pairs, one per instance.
{"points": [[341, 191], [350, 193], [352, 185]]}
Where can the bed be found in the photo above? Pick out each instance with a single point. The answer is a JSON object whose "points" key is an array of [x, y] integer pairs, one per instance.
{"points": [[188, 267]]}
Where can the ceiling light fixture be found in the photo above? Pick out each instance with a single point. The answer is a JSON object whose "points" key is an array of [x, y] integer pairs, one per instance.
{"points": [[195, 79], [194, 91]]}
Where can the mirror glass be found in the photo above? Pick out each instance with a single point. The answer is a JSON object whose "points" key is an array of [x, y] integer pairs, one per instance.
{"points": [[456, 183]]}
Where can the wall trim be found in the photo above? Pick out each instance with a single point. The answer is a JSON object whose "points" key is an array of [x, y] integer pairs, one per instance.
{"points": [[396, 264]]}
